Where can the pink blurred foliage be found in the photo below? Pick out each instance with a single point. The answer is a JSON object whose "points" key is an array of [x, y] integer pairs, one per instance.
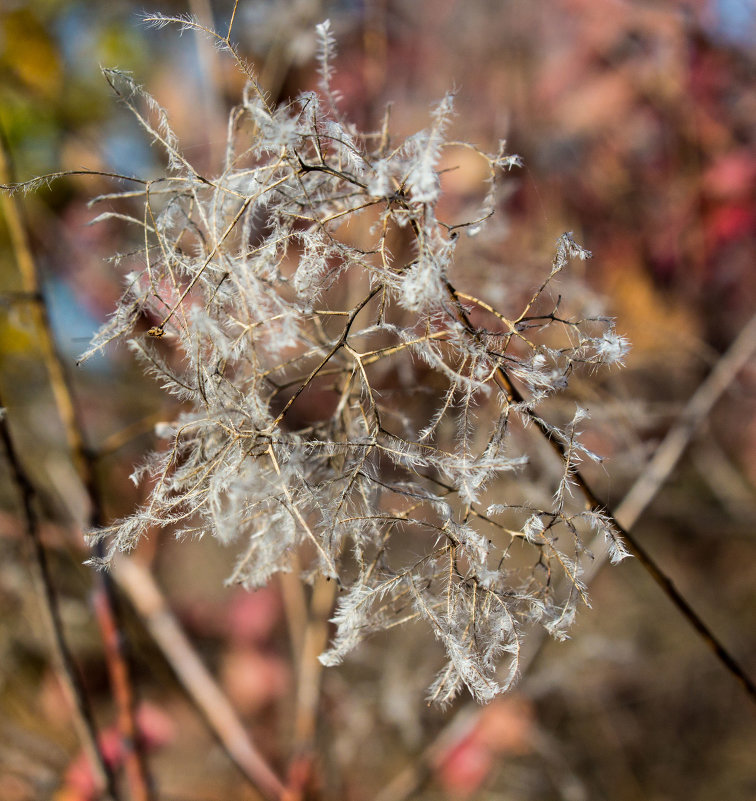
{"points": [[252, 674], [729, 186], [252, 678], [246, 627], [244, 618], [253, 617], [504, 727]]}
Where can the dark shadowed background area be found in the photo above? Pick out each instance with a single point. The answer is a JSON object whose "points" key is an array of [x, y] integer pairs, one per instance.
{"points": [[636, 123]]}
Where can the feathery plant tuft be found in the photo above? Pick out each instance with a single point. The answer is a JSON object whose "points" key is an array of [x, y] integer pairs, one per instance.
{"points": [[343, 399]]}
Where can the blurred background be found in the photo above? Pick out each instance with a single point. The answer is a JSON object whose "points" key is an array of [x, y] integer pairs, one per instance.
{"points": [[636, 122]]}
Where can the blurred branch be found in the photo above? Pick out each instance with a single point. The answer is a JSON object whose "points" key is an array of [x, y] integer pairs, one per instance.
{"points": [[211, 77], [32, 293], [295, 607], [314, 643], [116, 440], [83, 715], [141, 589], [668, 454]]}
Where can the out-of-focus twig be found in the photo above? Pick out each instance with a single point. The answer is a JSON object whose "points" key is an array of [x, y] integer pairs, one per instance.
{"points": [[697, 409], [139, 586], [375, 42], [308, 687], [211, 76], [116, 440], [629, 511], [32, 294], [295, 608], [83, 715]]}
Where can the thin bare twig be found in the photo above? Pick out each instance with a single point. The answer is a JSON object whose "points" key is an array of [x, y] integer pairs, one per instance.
{"points": [[665, 458]]}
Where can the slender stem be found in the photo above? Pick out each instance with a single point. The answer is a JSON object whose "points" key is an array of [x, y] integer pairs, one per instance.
{"points": [[308, 687], [665, 458]]}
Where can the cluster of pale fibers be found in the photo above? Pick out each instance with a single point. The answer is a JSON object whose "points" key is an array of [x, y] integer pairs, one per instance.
{"points": [[262, 303]]}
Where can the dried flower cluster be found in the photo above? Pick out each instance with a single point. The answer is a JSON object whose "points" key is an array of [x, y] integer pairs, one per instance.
{"points": [[342, 397]]}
